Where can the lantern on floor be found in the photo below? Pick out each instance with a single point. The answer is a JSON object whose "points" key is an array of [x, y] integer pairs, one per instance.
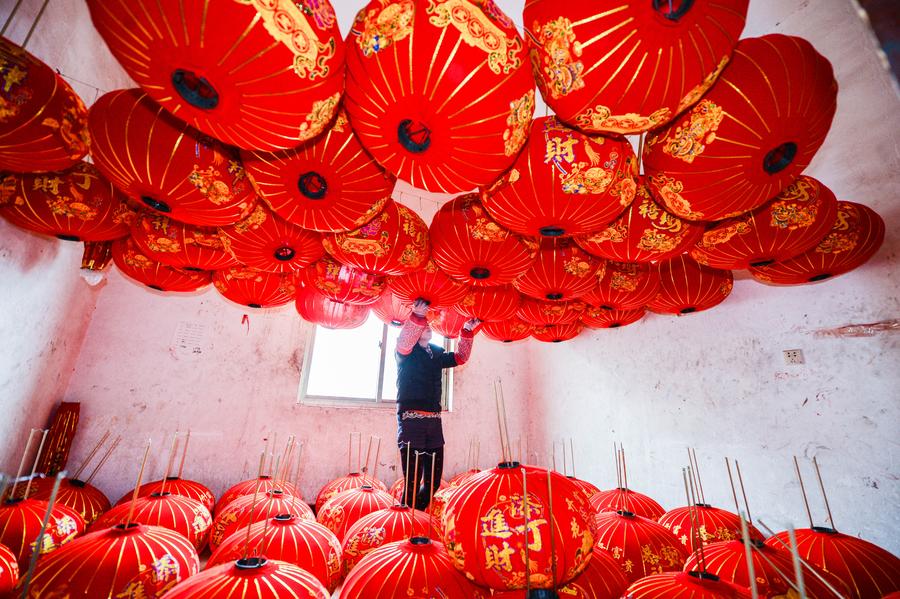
{"points": [[314, 307], [248, 509], [563, 183], [600, 318], [388, 525], [507, 331], [175, 486], [255, 75], [255, 288], [251, 577], [391, 310], [178, 245], [631, 69], [261, 484], [645, 232], [183, 515], [429, 283], [866, 569], [440, 94], [135, 265], [540, 313], [602, 579], [353, 480], [627, 500], [624, 286], [491, 515], [490, 304], [407, 568], [9, 570], [856, 236], [640, 546], [44, 125], [291, 539], [557, 333], [397, 489], [134, 560], [74, 205], [710, 524], [87, 500], [342, 283], [696, 585], [447, 323], [346, 508], [327, 184], [589, 489], [472, 248], [266, 242], [791, 223], [171, 168], [395, 242], [686, 287], [561, 272], [750, 136], [20, 524]]}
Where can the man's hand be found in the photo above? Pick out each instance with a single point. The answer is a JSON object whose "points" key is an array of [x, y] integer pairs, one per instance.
{"points": [[420, 307], [471, 324]]}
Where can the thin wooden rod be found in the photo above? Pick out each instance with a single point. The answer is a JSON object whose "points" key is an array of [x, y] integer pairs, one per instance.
{"points": [[527, 511], [137, 485], [737, 467], [803, 491], [37, 457], [39, 543], [103, 460], [187, 440], [259, 474], [12, 493], [748, 552], [91, 455], [172, 453], [824, 494]]}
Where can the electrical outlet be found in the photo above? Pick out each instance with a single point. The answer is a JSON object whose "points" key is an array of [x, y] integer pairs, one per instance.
{"points": [[793, 356]]}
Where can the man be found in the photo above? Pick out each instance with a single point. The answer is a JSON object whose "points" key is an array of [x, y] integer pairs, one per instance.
{"points": [[419, 376]]}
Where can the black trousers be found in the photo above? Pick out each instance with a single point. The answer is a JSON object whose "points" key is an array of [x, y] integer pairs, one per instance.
{"points": [[420, 483]]}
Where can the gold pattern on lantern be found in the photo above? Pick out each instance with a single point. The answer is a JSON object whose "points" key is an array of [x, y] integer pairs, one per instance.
{"points": [[791, 216], [561, 66], [70, 127], [724, 234], [321, 113], [655, 241], [690, 139], [518, 123], [624, 280], [377, 29], [209, 185], [577, 267], [670, 190], [477, 30], [841, 239], [600, 118], [701, 88], [256, 218]]}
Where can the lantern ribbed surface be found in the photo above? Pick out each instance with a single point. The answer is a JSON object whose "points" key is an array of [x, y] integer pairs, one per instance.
{"points": [[247, 509], [624, 286], [614, 500], [255, 288], [557, 333], [507, 331], [178, 513], [314, 307], [87, 500], [600, 318], [387, 525], [9, 569], [252, 577], [342, 283], [640, 546], [686, 287], [249, 487], [391, 310], [267, 242], [540, 313], [20, 525], [138, 267], [685, 585], [178, 245], [429, 283], [175, 486], [345, 483], [490, 304], [562, 271], [715, 524], [446, 322], [602, 579], [589, 489], [346, 508]]}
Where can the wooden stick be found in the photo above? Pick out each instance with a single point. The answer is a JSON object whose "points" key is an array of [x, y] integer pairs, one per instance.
{"points": [[265, 452], [272, 454], [4, 485], [299, 464], [695, 521], [737, 506], [572, 455], [137, 485], [406, 474], [37, 458], [350, 455], [699, 480], [824, 494], [259, 473], [743, 491], [795, 556], [39, 543], [431, 490], [12, 493], [552, 527], [803, 491], [90, 456], [745, 535], [187, 440], [803, 562], [527, 512], [102, 461], [415, 490], [553, 455], [368, 457], [505, 418], [377, 454], [503, 457], [172, 452], [618, 467]]}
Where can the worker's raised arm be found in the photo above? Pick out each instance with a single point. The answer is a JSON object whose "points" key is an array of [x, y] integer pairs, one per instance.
{"points": [[412, 328]]}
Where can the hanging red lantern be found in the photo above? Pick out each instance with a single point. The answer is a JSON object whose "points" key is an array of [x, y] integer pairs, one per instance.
{"points": [[327, 184], [170, 167], [791, 223], [269, 77], [487, 523], [678, 585], [44, 124], [87, 500], [856, 236], [687, 287], [132, 561], [9, 570], [866, 569], [631, 69], [490, 304], [251, 577], [625, 286], [447, 323], [266, 242], [750, 136], [178, 245], [290, 539], [601, 318], [645, 232], [640, 546], [564, 183], [562, 271], [393, 243], [374, 530], [255, 288], [314, 307], [540, 313], [472, 248], [429, 283], [342, 283], [627, 500], [557, 333], [96, 257], [137, 266], [354, 480], [247, 509], [74, 205], [261, 484], [507, 331], [346, 508], [602, 579], [710, 524], [175, 486], [391, 310], [412, 567], [181, 514], [20, 524], [439, 94]]}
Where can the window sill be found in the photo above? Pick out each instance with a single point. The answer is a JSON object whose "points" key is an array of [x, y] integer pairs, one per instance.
{"points": [[346, 402]]}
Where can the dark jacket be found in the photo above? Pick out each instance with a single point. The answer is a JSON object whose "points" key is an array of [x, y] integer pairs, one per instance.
{"points": [[419, 378]]}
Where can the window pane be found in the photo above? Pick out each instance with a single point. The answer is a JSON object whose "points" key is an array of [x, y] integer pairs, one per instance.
{"points": [[345, 362], [389, 392]]}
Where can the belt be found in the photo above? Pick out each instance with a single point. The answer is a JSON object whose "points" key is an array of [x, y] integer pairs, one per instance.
{"points": [[417, 414]]}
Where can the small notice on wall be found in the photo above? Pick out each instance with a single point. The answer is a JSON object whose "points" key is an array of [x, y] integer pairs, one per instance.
{"points": [[190, 339]]}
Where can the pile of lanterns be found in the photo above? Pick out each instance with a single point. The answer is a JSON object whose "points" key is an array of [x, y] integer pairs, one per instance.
{"points": [[259, 156]]}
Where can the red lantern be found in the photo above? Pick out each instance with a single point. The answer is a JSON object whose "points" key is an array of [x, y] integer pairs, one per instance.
{"points": [[178, 245], [96, 256], [547, 313], [137, 266], [256, 75], [74, 205], [602, 579], [685, 585], [132, 561], [786, 226], [181, 514], [447, 323], [396, 490], [248, 509], [162, 163], [342, 283], [687, 287], [262, 484], [564, 183], [265, 242], [251, 577], [255, 288], [589, 489], [507, 331], [750, 136], [395, 523], [290, 539], [631, 69], [439, 504], [87, 500], [175, 486], [393, 243], [488, 522], [391, 310], [44, 125], [439, 94], [600, 318], [354, 480], [418, 567], [710, 523], [866, 569], [640, 546], [346, 508], [429, 284], [855, 236], [645, 232], [20, 524], [562, 271], [9, 570], [462, 477], [314, 307], [471, 247], [557, 333], [627, 500], [490, 304], [329, 183], [625, 286]]}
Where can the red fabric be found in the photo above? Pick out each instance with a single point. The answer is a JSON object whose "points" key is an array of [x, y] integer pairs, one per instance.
{"points": [[342, 283], [625, 286], [344, 509], [640, 546], [447, 322], [247, 509], [87, 500], [135, 265], [395, 523], [601, 318], [541, 313], [272, 580], [255, 288], [490, 303], [178, 513], [562, 271], [614, 500], [602, 579], [464, 347], [429, 283], [178, 245], [249, 487], [323, 311], [345, 483], [683, 584], [557, 333], [9, 570], [410, 333], [687, 287], [266, 242], [715, 525], [176, 486], [20, 523], [507, 331], [391, 310]]}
